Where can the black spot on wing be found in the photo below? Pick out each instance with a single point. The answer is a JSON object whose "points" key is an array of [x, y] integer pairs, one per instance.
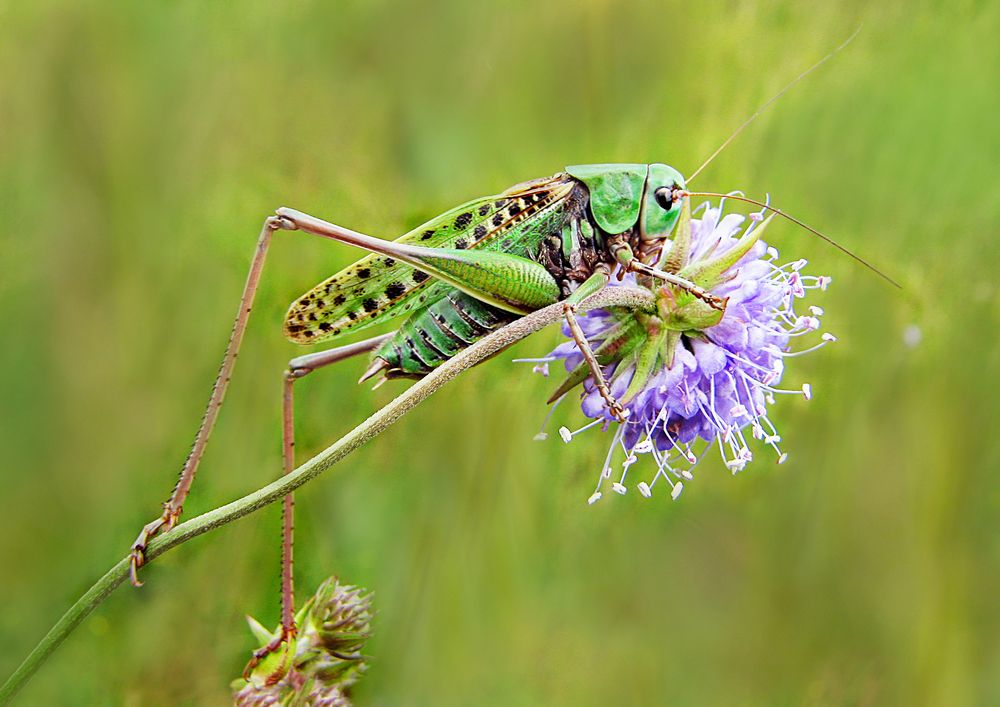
{"points": [[364, 272], [484, 209], [419, 276], [339, 300], [463, 219], [394, 290], [370, 305], [427, 234], [461, 244], [480, 232]]}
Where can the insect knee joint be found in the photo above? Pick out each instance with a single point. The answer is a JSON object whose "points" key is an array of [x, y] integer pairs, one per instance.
{"points": [[278, 222]]}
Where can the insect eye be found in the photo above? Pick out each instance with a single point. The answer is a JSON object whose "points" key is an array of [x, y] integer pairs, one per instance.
{"points": [[664, 198]]}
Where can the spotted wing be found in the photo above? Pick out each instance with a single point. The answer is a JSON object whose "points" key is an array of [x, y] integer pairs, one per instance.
{"points": [[378, 288]]}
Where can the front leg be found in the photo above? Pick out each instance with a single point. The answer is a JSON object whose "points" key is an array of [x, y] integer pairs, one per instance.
{"points": [[623, 255], [593, 284], [713, 301]]}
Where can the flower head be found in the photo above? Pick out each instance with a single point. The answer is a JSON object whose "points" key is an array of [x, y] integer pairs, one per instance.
{"points": [[323, 661], [690, 378]]}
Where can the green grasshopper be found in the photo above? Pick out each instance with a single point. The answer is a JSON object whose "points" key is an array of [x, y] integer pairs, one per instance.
{"points": [[481, 264], [462, 275]]}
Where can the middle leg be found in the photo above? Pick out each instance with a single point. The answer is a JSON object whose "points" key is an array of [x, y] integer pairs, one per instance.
{"points": [[588, 287]]}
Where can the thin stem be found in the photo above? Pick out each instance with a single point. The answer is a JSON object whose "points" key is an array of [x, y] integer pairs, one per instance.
{"points": [[624, 297]]}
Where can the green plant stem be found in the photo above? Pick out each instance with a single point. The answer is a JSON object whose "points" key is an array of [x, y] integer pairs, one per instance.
{"points": [[625, 297]]}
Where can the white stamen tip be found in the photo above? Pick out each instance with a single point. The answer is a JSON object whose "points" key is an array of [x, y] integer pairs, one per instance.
{"points": [[632, 459], [594, 498], [807, 391], [756, 216], [542, 368], [606, 474], [783, 458], [644, 447], [738, 411], [816, 311], [618, 488], [799, 264], [686, 473], [644, 489], [810, 323], [678, 487], [565, 434], [829, 337], [824, 281], [772, 252], [541, 436]]}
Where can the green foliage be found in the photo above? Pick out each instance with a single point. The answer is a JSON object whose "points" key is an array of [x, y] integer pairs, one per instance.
{"points": [[142, 145]]}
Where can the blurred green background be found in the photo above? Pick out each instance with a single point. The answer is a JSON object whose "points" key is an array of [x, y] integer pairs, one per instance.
{"points": [[141, 144]]}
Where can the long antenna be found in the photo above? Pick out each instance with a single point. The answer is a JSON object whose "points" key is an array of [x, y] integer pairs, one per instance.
{"points": [[775, 97], [794, 220]]}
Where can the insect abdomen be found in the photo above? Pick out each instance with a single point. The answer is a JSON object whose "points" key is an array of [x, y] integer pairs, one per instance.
{"points": [[431, 336]]}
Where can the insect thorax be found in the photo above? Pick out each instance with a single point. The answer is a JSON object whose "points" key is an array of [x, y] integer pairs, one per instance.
{"points": [[576, 247], [565, 239]]}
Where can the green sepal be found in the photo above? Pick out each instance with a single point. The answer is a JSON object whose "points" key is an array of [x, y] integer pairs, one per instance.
{"points": [[259, 632], [707, 273], [692, 315], [672, 340], [615, 193], [676, 256], [618, 344], [646, 359], [274, 666]]}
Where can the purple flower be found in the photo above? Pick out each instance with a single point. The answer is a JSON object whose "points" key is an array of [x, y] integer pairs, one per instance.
{"points": [[714, 380]]}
